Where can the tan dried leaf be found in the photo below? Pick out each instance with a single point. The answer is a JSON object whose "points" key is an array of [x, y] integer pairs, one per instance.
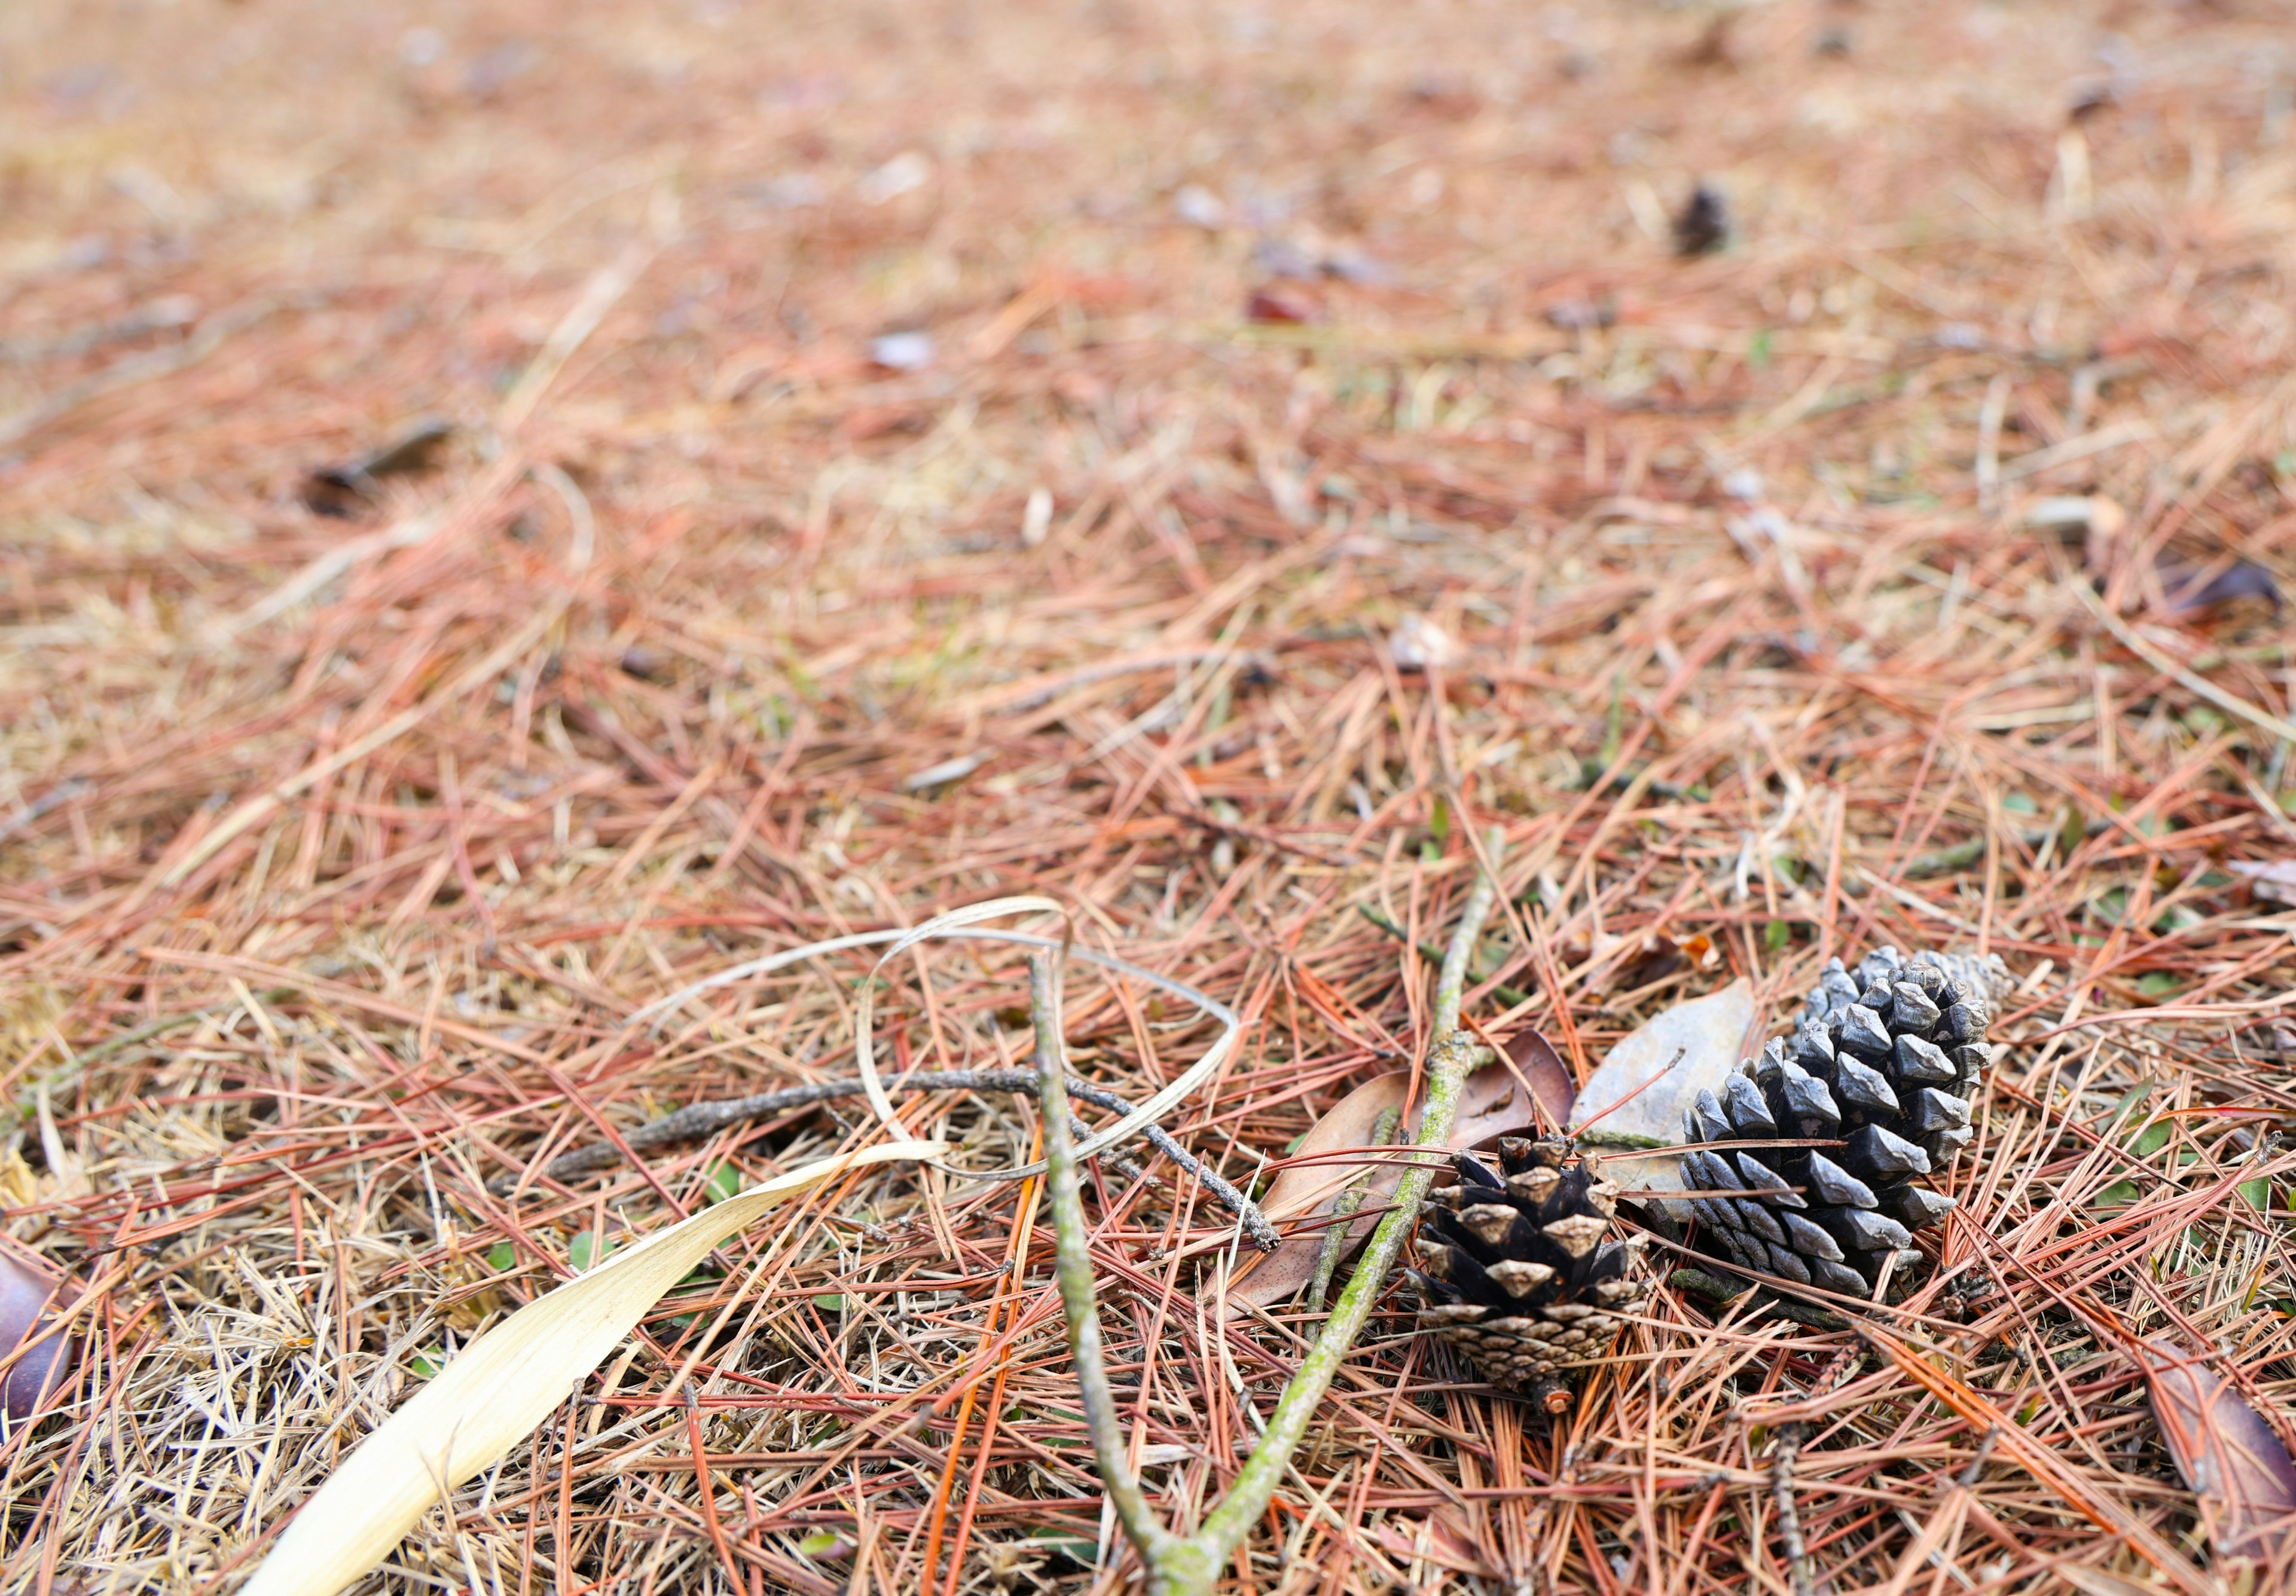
{"points": [[1492, 1103]]}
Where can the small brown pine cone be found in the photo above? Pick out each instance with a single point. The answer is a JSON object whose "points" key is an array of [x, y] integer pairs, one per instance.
{"points": [[1516, 1269]]}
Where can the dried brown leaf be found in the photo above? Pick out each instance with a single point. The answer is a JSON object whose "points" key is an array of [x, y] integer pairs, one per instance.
{"points": [[1492, 1104], [1544, 1072], [2229, 1456]]}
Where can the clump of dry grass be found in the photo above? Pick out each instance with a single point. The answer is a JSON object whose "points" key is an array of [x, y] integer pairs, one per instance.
{"points": [[339, 855]]}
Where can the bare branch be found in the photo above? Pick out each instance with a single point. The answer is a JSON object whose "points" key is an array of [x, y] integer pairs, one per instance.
{"points": [[1073, 1268]]}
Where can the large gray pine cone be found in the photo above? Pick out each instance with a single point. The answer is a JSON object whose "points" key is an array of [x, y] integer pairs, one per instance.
{"points": [[1518, 1273], [1887, 1058]]}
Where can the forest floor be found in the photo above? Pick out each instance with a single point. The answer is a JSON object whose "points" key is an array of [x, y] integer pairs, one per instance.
{"points": [[1208, 463]]}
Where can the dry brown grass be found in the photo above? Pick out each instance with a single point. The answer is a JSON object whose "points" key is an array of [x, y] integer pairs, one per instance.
{"points": [[1756, 638]]}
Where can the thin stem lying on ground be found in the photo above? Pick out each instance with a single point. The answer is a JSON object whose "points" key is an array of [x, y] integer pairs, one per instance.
{"points": [[700, 1119], [1190, 1566], [1073, 1265]]}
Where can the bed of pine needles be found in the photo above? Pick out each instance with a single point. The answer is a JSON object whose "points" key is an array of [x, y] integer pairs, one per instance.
{"points": [[1204, 461]]}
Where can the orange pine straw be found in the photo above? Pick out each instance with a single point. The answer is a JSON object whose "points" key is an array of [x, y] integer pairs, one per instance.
{"points": [[1007, 1304], [2041, 1462]]}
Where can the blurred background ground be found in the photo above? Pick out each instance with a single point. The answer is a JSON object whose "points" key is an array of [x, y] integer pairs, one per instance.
{"points": [[892, 455]]}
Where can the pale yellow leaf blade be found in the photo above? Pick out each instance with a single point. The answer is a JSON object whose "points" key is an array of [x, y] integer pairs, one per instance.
{"points": [[505, 1383]]}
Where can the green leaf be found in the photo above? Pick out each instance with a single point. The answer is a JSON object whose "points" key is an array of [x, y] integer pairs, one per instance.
{"points": [[830, 1302], [2259, 1193], [1758, 350], [428, 1362], [501, 1257], [2118, 1195], [1078, 1548], [825, 1544], [586, 1248], [2151, 1139], [723, 1181], [2159, 984], [2130, 1102], [2020, 804], [1439, 822], [1777, 934]]}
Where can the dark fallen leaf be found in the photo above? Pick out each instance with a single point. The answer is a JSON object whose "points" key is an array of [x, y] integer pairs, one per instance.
{"points": [[1491, 1104], [1281, 257], [644, 663], [2089, 98], [1276, 303], [1713, 47], [2271, 880], [1542, 1069], [30, 1294], [345, 488], [1703, 225], [1353, 265], [2228, 1455], [2190, 589]]}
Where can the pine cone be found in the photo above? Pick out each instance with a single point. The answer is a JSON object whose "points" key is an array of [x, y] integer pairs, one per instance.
{"points": [[1522, 1280], [1887, 1058]]}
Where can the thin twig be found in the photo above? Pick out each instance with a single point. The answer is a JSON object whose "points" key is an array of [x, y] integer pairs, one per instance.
{"points": [[1191, 1567], [1448, 1063], [1073, 1252], [1781, 1492], [1451, 984], [1343, 1208], [696, 1120]]}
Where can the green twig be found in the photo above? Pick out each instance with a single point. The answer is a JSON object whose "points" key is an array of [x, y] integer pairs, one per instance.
{"points": [[1451, 984], [1509, 995], [1190, 1566], [1072, 1255], [1343, 1208]]}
